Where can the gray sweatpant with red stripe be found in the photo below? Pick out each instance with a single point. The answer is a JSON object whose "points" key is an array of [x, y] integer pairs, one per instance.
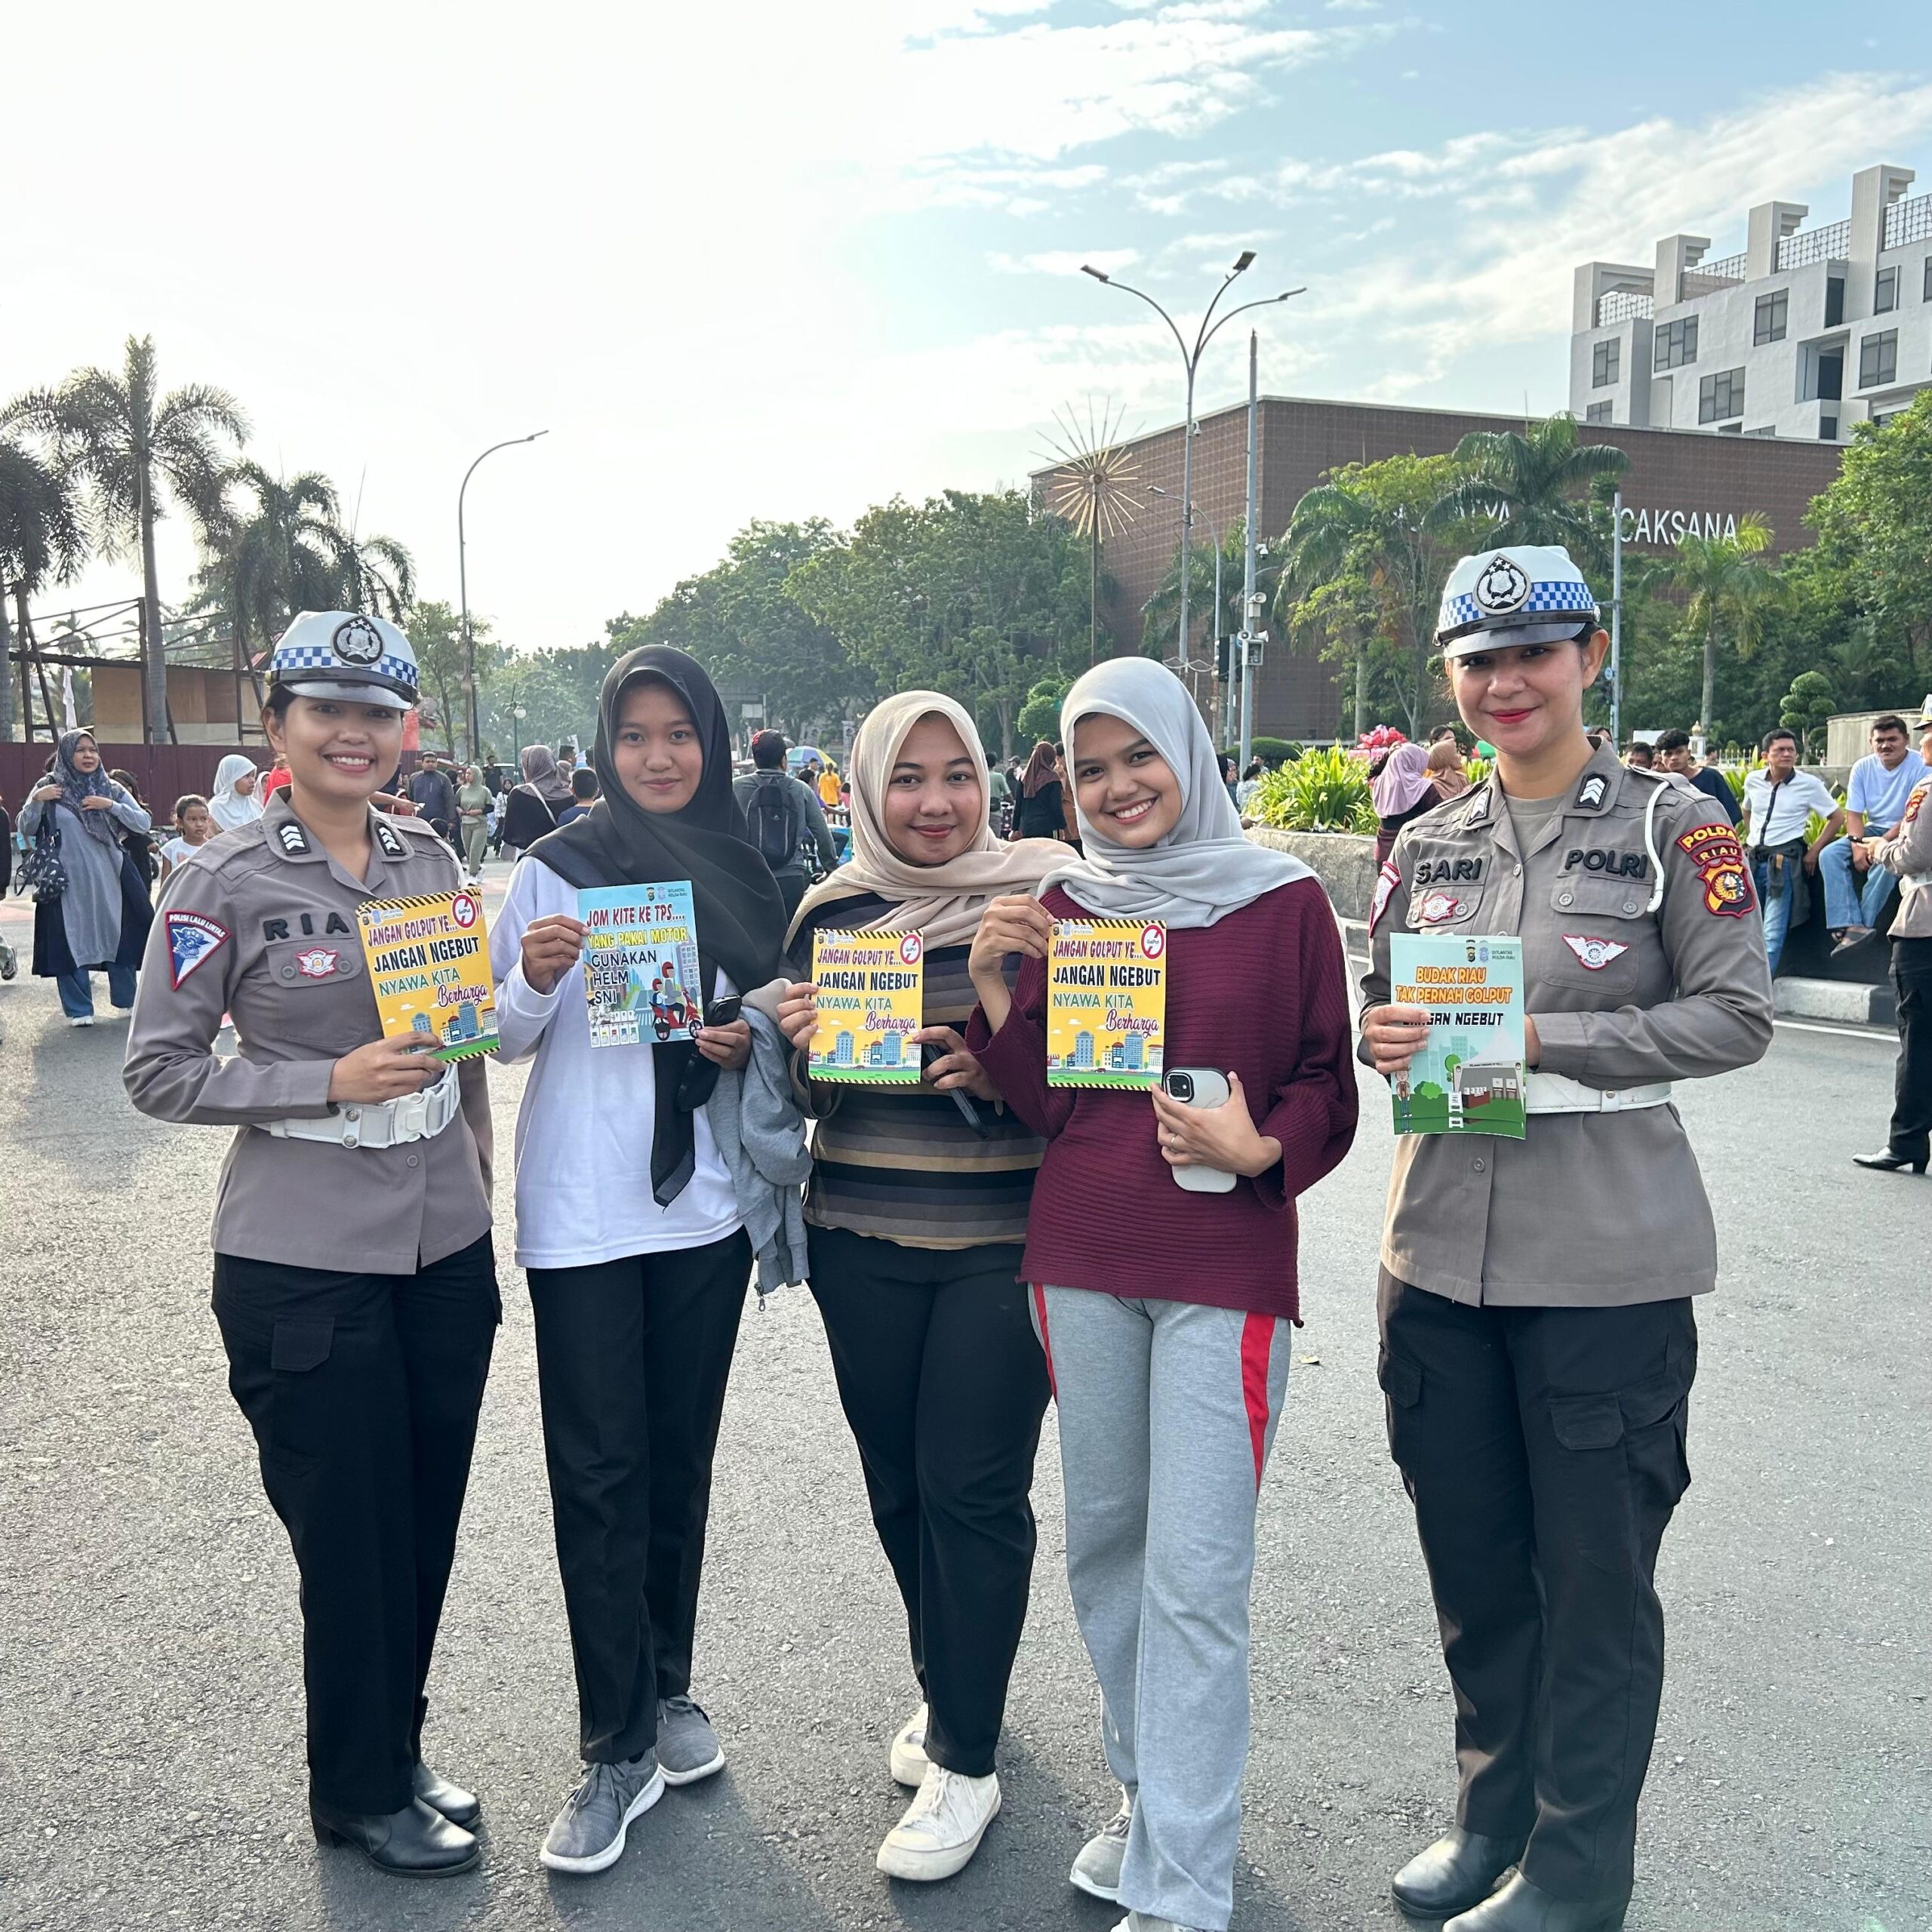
{"points": [[1167, 1414]]}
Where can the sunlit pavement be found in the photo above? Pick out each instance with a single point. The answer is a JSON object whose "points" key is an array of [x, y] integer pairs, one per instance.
{"points": [[151, 1766]]}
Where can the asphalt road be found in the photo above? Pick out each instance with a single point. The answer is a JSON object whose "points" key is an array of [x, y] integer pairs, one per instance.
{"points": [[151, 1767]]}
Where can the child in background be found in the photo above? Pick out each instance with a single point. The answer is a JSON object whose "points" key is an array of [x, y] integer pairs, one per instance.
{"points": [[193, 827]]}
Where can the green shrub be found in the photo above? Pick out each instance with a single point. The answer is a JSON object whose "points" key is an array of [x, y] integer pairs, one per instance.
{"points": [[1276, 751], [1322, 791]]}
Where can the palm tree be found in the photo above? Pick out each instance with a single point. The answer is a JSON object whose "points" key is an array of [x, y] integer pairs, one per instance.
{"points": [[1727, 590], [1338, 528], [279, 556], [116, 434], [287, 551], [1160, 614], [1523, 486], [378, 575], [42, 537]]}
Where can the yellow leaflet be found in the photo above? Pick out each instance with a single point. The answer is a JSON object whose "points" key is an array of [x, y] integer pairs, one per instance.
{"points": [[1106, 1003], [871, 992], [429, 967]]}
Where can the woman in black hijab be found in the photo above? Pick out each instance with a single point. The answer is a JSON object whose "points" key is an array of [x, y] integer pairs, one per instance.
{"points": [[630, 1231]]}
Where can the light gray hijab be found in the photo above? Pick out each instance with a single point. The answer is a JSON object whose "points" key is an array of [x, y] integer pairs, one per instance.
{"points": [[1204, 869]]}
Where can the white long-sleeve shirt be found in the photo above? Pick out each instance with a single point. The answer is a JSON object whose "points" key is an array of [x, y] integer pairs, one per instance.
{"points": [[584, 1131]]}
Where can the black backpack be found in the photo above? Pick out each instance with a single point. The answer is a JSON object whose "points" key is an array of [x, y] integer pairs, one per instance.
{"points": [[776, 820]]}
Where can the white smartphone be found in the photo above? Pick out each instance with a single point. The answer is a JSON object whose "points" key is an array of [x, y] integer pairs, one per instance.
{"points": [[1198, 1086]]}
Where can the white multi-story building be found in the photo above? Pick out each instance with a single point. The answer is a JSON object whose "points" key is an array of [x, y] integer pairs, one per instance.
{"points": [[1806, 332]]}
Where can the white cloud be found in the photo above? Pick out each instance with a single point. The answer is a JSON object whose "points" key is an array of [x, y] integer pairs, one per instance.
{"points": [[1478, 283], [1109, 261]]}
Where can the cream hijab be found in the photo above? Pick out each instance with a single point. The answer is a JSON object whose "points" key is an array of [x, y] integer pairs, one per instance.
{"points": [[1203, 869], [943, 901]]}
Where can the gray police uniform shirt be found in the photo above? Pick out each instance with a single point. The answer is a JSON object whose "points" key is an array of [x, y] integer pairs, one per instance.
{"points": [[1908, 851], [1595, 1210], [260, 924]]}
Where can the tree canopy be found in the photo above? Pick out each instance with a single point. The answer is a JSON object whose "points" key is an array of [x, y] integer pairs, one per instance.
{"points": [[973, 594]]}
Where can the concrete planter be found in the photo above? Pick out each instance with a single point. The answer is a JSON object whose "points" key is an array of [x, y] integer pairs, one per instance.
{"points": [[1343, 861]]}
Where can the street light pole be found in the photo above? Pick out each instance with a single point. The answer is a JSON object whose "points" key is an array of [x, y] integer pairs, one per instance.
{"points": [[1617, 622], [1191, 361], [1248, 598], [463, 589], [1214, 531]]}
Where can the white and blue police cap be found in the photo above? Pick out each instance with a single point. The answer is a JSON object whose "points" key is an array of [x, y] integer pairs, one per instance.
{"points": [[1529, 593], [343, 655]]}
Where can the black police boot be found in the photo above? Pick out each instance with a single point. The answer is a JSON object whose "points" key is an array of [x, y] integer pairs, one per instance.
{"points": [[459, 1807], [1454, 1873], [1520, 1907], [416, 1842], [1888, 1162]]}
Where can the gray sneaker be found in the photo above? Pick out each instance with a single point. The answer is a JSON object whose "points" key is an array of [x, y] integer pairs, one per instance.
{"points": [[688, 1747], [588, 1834], [1097, 1871]]}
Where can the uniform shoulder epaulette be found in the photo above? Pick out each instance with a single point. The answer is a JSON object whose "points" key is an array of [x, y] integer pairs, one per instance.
{"points": [[1454, 814], [233, 851]]}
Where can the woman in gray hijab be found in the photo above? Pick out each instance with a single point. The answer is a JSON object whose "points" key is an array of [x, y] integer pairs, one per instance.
{"points": [[99, 921], [1161, 1252]]}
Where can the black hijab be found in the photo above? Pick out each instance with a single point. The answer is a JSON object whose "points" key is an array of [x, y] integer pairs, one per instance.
{"points": [[740, 912]]}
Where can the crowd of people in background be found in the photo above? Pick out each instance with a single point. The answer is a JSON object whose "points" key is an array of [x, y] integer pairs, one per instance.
{"points": [[1796, 830]]}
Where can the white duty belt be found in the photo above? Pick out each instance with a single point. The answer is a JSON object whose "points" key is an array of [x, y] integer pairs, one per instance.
{"points": [[380, 1123], [1557, 1093]]}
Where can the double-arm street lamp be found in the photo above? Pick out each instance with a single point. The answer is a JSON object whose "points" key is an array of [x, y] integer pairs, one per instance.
{"points": [[1214, 531], [1191, 361], [463, 590]]}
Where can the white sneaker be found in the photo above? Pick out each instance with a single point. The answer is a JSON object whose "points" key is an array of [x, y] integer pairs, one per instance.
{"points": [[85, 1020], [1097, 1871], [1144, 1922], [909, 1761], [942, 1828]]}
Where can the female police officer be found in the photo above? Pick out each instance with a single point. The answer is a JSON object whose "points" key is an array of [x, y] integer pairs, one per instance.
{"points": [[355, 1284], [1536, 1384]]}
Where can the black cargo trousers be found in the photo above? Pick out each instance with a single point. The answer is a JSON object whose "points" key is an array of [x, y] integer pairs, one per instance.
{"points": [[1544, 1450]]}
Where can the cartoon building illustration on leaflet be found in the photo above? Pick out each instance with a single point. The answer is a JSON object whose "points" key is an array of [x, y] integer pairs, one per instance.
{"points": [[1477, 1082]]}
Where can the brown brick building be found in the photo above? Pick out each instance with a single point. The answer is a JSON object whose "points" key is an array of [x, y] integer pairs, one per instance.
{"points": [[1674, 475]]}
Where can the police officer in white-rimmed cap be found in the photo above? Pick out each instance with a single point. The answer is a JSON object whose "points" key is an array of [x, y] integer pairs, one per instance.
{"points": [[1536, 1367], [355, 1281]]}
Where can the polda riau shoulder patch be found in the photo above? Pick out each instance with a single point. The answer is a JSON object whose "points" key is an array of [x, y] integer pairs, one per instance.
{"points": [[1721, 870]]}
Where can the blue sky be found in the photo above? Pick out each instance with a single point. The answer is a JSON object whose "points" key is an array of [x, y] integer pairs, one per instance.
{"points": [[796, 255]]}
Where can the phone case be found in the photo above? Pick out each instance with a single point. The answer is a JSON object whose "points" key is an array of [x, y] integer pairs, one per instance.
{"points": [[1210, 1089]]}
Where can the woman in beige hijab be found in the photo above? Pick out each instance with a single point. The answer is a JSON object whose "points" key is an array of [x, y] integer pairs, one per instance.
{"points": [[915, 1214], [1447, 771]]}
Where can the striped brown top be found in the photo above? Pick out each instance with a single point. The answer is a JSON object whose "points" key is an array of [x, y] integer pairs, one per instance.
{"points": [[901, 1163]]}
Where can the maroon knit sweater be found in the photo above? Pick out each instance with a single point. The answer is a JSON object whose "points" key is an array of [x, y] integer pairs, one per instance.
{"points": [[1263, 991]]}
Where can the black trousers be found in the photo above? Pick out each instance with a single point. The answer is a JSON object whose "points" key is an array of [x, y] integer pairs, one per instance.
{"points": [[633, 1356], [363, 1391], [1911, 1137], [944, 1384], [791, 884], [1544, 1450]]}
